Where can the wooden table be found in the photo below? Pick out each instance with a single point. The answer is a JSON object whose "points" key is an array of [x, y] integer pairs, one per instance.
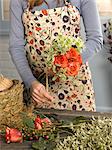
{"points": [[16, 146]]}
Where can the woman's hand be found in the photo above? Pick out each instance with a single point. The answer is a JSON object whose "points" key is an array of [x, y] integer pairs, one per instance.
{"points": [[39, 93]]}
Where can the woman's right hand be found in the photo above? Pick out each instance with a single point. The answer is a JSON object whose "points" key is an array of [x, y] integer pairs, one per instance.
{"points": [[39, 93]]}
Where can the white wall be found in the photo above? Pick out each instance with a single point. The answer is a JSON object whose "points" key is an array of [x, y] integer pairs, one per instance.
{"points": [[102, 77]]}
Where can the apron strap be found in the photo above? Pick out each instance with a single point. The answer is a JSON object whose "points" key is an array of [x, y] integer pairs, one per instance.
{"points": [[28, 6]]}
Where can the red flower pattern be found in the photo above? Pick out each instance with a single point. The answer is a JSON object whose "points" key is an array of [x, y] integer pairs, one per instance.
{"points": [[44, 11], [30, 33], [38, 28], [31, 41]]}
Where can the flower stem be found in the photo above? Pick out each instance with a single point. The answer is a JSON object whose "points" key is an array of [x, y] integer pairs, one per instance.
{"points": [[47, 84]]}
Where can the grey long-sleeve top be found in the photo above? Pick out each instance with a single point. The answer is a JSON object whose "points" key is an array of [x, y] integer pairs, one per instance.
{"points": [[90, 16]]}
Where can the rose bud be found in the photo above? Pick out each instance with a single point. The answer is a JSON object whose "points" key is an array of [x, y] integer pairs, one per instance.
{"points": [[46, 121], [38, 123], [46, 137], [31, 138], [13, 135]]}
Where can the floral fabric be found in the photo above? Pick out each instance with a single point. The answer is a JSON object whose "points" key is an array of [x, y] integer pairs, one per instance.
{"points": [[41, 27]]}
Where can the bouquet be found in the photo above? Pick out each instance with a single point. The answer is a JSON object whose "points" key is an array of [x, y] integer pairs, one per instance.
{"points": [[64, 57]]}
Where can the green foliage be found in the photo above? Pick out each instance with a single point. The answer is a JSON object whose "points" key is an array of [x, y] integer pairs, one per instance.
{"points": [[90, 135], [62, 43], [28, 122], [43, 144]]}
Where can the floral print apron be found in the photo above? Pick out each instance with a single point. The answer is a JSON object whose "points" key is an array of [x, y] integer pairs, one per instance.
{"points": [[41, 27]]}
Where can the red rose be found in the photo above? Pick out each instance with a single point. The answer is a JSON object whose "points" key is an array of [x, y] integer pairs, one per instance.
{"points": [[38, 123], [72, 53], [73, 68], [61, 60], [38, 126], [13, 135], [71, 61], [74, 61]]}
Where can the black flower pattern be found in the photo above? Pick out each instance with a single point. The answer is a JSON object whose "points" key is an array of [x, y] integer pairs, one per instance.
{"points": [[65, 19]]}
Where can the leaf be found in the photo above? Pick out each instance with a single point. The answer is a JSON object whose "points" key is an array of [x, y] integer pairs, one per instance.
{"points": [[54, 78], [38, 146], [54, 69], [63, 77], [80, 119], [28, 122], [43, 144]]}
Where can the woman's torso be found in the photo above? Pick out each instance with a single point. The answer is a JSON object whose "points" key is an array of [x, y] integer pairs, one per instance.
{"points": [[66, 95]]}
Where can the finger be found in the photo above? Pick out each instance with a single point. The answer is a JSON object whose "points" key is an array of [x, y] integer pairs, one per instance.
{"points": [[36, 100], [38, 93], [46, 94], [42, 100], [38, 89], [37, 97], [42, 93]]}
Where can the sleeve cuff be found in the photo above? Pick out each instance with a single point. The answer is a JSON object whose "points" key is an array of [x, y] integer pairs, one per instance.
{"points": [[28, 81], [85, 55]]}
